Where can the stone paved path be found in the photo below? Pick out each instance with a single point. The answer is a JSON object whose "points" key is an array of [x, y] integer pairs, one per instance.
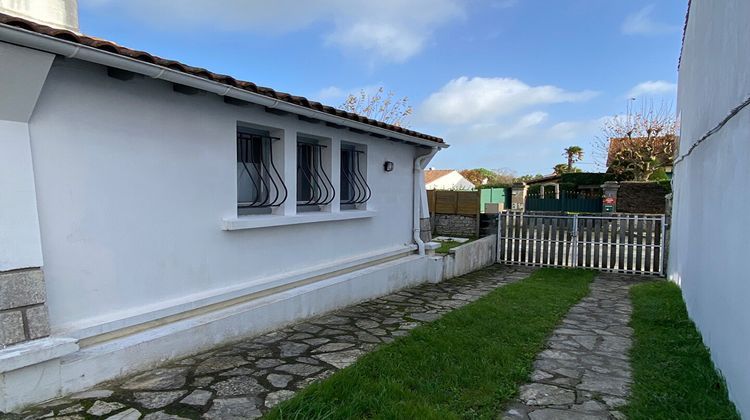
{"points": [[584, 373], [245, 379]]}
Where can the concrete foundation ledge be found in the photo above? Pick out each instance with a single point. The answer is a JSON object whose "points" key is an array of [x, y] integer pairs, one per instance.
{"points": [[88, 366], [35, 352]]}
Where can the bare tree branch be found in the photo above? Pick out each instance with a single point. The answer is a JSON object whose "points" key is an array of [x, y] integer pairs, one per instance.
{"points": [[385, 108], [635, 145]]}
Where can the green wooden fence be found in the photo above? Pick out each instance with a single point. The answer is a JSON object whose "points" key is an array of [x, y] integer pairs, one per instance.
{"points": [[494, 195]]}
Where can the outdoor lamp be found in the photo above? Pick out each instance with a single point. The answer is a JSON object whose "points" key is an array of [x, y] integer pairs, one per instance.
{"points": [[388, 166]]}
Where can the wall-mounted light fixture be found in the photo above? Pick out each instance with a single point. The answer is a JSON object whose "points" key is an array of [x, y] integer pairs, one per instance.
{"points": [[388, 166]]}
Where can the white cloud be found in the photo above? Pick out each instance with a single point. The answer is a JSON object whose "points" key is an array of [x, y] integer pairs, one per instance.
{"points": [[652, 87], [387, 40], [503, 4], [501, 122], [475, 100], [643, 23], [329, 94], [335, 95], [389, 30], [528, 143]]}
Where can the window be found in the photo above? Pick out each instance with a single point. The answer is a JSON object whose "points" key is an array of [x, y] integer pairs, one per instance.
{"points": [[259, 185], [314, 187], [354, 188]]}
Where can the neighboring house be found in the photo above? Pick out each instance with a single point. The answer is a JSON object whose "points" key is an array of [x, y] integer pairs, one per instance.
{"points": [[446, 179], [588, 183], [149, 209], [708, 255], [547, 183]]}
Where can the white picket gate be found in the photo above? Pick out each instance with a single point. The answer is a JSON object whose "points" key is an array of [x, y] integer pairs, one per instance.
{"points": [[623, 243]]}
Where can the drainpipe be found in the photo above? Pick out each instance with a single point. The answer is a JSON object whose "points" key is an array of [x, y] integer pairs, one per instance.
{"points": [[419, 164]]}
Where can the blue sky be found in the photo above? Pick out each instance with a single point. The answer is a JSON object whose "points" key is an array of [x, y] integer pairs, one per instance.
{"points": [[508, 83]]}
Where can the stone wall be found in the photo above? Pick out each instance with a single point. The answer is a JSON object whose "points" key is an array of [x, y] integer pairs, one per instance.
{"points": [[23, 314], [641, 197], [425, 230], [455, 225]]}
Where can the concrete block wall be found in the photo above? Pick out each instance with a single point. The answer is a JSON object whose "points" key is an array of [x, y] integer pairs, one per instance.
{"points": [[23, 314]]}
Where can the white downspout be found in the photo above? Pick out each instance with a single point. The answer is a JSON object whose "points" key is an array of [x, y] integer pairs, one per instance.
{"points": [[419, 164]]}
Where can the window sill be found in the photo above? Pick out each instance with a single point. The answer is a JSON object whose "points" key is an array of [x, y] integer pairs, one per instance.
{"points": [[262, 221]]}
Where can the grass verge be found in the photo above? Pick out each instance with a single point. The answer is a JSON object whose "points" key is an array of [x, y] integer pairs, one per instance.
{"points": [[468, 363], [674, 377], [448, 245]]}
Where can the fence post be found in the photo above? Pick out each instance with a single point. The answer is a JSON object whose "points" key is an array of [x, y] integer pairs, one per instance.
{"points": [[499, 236], [663, 244], [518, 199], [609, 202], [574, 241]]}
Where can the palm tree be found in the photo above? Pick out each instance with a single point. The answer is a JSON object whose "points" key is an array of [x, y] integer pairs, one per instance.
{"points": [[560, 169], [574, 154]]}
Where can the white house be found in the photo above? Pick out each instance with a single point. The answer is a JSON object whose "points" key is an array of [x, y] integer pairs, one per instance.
{"points": [[149, 209], [446, 179], [709, 251]]}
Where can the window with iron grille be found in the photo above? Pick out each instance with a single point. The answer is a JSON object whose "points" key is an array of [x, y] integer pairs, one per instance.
{"points": [[314, 187], [259, 184], [354, 188]]}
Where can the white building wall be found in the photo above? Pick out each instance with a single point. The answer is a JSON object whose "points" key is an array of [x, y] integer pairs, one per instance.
{"points": [[451, 181], [709, 252], [133, 181], [58, 13], [22, 75]]}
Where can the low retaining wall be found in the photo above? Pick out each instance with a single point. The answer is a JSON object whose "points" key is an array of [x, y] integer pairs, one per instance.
{"points": [[470, 257], [141, 350]]}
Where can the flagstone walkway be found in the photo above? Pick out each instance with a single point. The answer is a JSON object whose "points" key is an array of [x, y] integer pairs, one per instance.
{"points": [[584, 373], [245, 379]]}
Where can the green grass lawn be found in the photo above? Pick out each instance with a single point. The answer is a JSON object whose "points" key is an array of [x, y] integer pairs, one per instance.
{"points": [[672, 370], [447, 245], [467, 364]]}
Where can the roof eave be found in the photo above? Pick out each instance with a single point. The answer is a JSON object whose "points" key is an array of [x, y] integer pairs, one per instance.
{"points": [[43, 42]]}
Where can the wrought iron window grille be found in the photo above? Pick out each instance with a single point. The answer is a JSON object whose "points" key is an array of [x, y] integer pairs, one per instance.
{"points": [[259, 184], [354, 188], [314, 186]]}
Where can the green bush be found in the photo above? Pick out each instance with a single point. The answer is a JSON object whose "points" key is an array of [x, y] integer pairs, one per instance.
{"points": [[586, 178]]}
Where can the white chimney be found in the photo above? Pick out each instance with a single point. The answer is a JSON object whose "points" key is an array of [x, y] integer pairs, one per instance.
{"points": [[57, 13]]}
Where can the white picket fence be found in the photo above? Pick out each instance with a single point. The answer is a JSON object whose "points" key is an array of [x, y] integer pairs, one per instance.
{"points": [[623, 243]]}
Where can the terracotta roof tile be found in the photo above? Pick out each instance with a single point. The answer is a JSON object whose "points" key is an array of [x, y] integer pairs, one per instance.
{"points": [[434, 174], [114, 48]]}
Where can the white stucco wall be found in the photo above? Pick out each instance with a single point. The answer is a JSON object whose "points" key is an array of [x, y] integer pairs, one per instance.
{"points": [[451, 181], [133, 181], [22, 75], [709, 252]]}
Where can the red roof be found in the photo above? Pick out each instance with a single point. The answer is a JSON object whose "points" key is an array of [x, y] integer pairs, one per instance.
{"points": [[112, 47]]}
